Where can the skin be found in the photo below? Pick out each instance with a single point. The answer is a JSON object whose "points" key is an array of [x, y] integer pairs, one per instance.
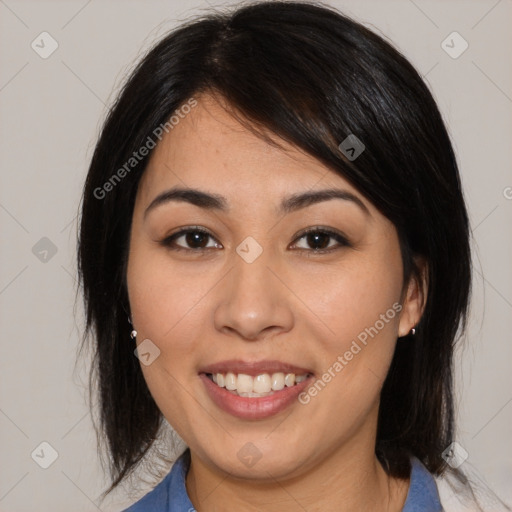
{"points": [[209, 305]]}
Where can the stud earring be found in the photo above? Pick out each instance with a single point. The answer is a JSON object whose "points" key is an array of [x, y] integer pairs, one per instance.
{"points": [[413, 331], [133, 334]]}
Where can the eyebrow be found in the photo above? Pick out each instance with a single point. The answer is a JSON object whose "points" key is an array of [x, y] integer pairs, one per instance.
{"points": [[292, 203]]}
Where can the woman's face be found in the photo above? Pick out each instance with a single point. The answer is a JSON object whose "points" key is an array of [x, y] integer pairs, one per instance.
{"points": [[255, 296]]}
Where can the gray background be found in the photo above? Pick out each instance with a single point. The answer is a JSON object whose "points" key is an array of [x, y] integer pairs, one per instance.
{"points": [[51, 110]]}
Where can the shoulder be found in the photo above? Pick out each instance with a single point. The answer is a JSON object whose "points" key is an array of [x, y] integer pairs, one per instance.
{"points": [[156, 499], [170, 494]]}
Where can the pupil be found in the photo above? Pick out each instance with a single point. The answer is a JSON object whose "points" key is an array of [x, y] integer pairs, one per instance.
{"points": [[194, 238], [314, 237]]}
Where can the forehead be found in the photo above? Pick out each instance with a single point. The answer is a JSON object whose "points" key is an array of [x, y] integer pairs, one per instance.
{"points": [[210, 149]]}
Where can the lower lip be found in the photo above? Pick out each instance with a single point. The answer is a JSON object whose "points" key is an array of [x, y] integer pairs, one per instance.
{"points": [[253, 408]]}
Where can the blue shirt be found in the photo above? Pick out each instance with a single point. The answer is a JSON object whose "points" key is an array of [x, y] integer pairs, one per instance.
{"points": [[170, 495]]}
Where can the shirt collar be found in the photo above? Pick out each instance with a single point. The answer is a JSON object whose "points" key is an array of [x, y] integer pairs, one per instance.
{"points": [[423, 495]]}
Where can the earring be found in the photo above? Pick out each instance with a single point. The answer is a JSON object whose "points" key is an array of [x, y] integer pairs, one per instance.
{"points": [[413, 331], [133, 334]]}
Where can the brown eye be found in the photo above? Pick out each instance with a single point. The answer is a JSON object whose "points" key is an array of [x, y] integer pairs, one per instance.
{"points": [[319, 240], [190, 239]]}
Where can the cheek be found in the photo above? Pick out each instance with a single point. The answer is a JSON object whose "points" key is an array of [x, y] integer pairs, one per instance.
{"points": [[164, 299], [355, 343], [354, 297], [358, 304], [167, 309]]}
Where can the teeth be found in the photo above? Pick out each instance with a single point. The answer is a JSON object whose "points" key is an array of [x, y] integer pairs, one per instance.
{"points": [[229, 381], [244, 383], [261, 385], [277, 381], [254, 395], [289, 379]]}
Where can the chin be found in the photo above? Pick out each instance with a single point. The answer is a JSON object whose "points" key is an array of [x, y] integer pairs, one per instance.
{"points": [[259, 460]]}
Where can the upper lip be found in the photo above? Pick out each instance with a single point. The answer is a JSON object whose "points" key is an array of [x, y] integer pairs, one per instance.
{"points": [[254, 368]]}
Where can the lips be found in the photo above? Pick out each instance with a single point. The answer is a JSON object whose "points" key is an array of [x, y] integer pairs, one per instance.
{"points": [[226, 382]]}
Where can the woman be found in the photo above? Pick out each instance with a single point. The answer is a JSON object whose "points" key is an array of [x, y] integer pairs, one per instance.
{"points": [[274, 217]]}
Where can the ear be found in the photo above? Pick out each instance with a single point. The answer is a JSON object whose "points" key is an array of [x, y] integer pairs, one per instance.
{"points": [[413, 298]]}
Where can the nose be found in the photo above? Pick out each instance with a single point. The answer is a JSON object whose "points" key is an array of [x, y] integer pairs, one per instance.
{"points": [[254, 303]]}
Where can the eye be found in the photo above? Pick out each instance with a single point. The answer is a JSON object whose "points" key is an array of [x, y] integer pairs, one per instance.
{"points": [[195, 239], [320, 239]]}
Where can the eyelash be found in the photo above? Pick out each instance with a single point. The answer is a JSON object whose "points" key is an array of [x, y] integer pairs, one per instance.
{"points": [[169, 242]]}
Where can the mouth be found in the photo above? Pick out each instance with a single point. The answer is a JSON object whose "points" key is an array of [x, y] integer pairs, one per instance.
{"points": [[259, 386], [254, 391]]}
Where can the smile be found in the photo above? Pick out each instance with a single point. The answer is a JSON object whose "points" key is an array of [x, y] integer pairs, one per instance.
{"points": [[261, 385]]}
